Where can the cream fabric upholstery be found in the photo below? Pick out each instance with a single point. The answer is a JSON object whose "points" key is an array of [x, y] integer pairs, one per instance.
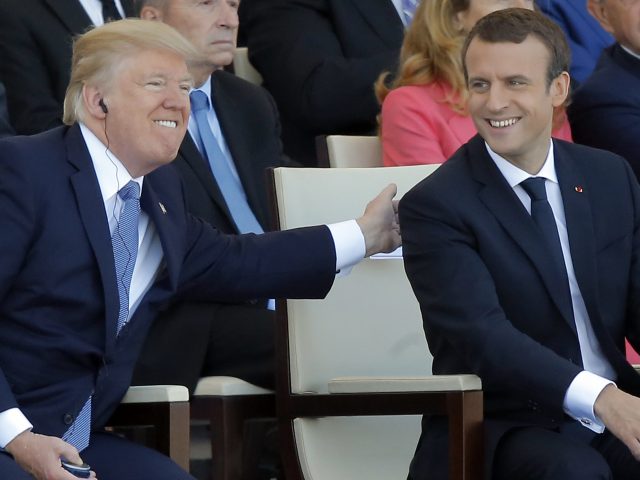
{"points": [[228, 386], [354, 151]]}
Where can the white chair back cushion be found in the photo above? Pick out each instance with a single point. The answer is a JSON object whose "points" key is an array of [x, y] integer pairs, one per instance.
{"points": [[370, 323]]}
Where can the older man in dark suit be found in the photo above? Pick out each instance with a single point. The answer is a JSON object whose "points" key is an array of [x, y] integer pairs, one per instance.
{"points": [[222, 339], [320, 59], [35, 47], [97, 238], [605, 110], [524, 253]]}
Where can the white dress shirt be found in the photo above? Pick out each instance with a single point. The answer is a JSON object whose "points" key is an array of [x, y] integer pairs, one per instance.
{"points": [[112, 175], [598, 372]]}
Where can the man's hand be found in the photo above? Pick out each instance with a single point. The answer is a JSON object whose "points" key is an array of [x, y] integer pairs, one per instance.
{"points": [[379, 223], [620, 413], [39, 455]]}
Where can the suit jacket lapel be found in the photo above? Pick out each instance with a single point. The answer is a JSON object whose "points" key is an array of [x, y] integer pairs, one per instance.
{"points": [[165, 217], [505, 205], [383, 18], [71, 14], [87, 190], [235, 135], [191, 155]]}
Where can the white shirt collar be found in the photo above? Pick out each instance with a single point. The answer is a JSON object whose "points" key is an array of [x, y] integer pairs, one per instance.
{"points": [[206, 89], [633, 54], [112, 174], [515, 175]]}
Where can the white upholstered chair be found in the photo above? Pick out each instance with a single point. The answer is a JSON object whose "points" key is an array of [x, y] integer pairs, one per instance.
{"points": [[353, 370]]}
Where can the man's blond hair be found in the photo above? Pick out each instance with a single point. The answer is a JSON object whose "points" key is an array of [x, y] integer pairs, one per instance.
{"points": [[99, 53]]}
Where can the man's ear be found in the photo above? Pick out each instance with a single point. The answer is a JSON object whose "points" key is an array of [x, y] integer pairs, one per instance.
{"points": [[91, 97], [599, 12], [559, 89], [149, 12]]}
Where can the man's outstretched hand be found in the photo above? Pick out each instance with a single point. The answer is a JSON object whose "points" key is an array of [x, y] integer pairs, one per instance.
{"points": [[379, 223]]}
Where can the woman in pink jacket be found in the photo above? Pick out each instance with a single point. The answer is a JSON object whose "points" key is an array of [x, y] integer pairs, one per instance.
{"points": [[424, 118]]}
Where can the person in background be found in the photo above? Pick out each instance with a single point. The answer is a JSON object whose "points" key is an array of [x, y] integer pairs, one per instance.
{"points": [[424, 115], [584, 34], [319, 59], [35, 48], [233, 339], [605, 110]]}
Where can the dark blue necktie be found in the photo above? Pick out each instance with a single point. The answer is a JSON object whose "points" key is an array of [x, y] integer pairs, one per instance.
{"points": [[542, 215], [230, 186]]}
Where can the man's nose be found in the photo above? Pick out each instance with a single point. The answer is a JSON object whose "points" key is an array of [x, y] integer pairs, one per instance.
{"points": [[497, 98]]}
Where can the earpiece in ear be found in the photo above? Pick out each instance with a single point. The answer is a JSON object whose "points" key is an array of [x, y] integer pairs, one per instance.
{"points": [[103, 106]]}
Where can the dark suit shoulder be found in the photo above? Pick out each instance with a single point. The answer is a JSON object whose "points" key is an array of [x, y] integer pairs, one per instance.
{"points": [[611, 70], [238, 87]]}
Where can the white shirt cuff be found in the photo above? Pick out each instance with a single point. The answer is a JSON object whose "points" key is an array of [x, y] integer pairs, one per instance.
{"points": [[581, 397], [12, 423], [349, 242]]}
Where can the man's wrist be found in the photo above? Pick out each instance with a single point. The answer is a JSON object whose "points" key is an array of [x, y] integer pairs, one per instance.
{"points": [[12, 423]]}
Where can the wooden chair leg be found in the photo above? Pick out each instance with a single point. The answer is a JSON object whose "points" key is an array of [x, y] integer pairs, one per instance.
{"points": [[227, 416], [227, 428], [170, 421], [172, 435], [465, 435]]}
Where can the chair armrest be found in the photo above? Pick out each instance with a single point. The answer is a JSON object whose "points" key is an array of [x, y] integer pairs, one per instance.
{"points": [[227, 386], [431, 383], [156, 393]]}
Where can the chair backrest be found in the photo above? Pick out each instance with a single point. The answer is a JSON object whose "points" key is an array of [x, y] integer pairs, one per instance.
{"points": [[370, 323], [243, 68], [354, 151]]}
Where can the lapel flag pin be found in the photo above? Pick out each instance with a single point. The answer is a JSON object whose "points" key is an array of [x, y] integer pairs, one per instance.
{"points": [[164, 210], [579, 188]]}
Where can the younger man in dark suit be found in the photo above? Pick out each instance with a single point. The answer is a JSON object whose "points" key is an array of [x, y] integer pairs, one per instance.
{"points": [[524, 254], [234, 339], [605, 110], [97, 238]]}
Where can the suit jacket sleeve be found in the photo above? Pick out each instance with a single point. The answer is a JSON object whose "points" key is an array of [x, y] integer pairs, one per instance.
{"points": [[18, 216], [296, 47]]}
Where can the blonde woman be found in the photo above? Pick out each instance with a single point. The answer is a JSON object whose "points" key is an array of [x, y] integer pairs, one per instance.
{"points": [[424, 118]]}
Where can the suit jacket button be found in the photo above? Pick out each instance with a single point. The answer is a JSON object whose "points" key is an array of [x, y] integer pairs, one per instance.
{"points": [[67, 419]]}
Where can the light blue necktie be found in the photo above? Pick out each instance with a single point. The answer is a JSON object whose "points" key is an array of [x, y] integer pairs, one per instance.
{"points": [[124, 240], [230, 186], [125, 250], [408, 10]]}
